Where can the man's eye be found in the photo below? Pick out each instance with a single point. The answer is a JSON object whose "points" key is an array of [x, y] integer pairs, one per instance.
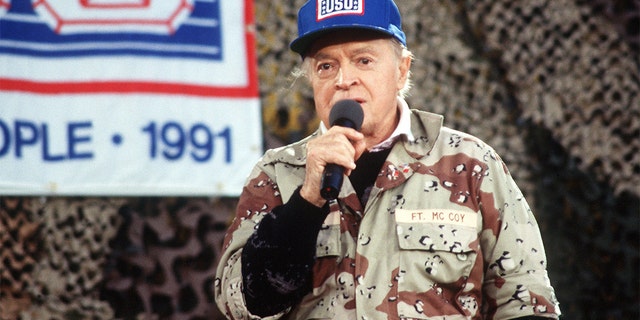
{"points": [[325, 70], [324, 66], [365, 61]]}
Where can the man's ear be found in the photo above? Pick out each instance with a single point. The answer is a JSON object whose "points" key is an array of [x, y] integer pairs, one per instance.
{"points": [[404, 68]]}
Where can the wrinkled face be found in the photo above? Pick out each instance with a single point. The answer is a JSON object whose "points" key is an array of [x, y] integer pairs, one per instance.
{"points": [[365, 68]]}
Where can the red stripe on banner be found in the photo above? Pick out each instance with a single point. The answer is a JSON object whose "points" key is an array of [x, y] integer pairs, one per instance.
{"points": [[248, 91], [124, 87], [250, 40], [140, 4]]}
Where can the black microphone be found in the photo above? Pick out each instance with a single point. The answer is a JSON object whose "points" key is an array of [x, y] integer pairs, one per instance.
{"points": [[345, 113]]}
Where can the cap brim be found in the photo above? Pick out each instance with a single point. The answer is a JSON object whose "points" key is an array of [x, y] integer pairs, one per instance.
{"points": [[302, 44]]}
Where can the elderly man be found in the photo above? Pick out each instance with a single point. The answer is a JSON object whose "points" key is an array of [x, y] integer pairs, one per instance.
{"points": [[428, 223]]}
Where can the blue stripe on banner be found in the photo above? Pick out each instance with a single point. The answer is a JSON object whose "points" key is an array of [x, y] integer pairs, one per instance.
{"points": [[23, 32]]}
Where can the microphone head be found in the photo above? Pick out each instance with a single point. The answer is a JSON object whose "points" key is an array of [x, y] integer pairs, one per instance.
{"points": [[347, 113]]}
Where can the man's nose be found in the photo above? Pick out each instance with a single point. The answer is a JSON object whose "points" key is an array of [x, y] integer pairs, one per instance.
{"points": [[346, 78]]}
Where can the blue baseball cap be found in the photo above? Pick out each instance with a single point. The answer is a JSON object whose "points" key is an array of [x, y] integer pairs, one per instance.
{"points": [[317, 17]]}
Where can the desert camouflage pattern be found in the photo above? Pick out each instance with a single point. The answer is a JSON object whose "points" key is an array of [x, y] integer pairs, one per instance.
{"points": [[445, 234]]}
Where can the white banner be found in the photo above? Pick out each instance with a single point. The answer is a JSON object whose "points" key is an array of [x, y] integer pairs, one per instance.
{"points": [[127, 97]]}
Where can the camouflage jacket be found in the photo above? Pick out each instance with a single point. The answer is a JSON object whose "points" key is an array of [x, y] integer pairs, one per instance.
{"points": [[445, 234]]}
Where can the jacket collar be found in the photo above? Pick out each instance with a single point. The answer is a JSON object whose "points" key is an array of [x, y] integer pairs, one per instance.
{"points": [[424, 130]]}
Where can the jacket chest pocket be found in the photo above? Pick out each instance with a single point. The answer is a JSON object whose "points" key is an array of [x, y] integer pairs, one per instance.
{"points": [[430, 255], [334, 290], [444, 253], [328, 241]]}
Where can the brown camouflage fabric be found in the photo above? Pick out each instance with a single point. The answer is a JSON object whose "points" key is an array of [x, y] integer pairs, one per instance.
{"points": [[445, 234]]}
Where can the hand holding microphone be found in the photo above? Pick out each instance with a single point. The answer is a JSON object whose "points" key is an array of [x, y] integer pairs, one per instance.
{"points": [[345, 113]]}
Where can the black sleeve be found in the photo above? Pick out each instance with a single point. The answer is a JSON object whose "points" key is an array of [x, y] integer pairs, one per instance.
{"points": [[277, 259], [531, 318]]}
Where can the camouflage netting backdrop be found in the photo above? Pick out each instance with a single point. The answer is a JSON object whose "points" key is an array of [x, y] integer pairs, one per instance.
{"points": [[553, 85]]}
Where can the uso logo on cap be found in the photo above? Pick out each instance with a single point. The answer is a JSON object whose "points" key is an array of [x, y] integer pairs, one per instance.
{"points": [[329, 8]]}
